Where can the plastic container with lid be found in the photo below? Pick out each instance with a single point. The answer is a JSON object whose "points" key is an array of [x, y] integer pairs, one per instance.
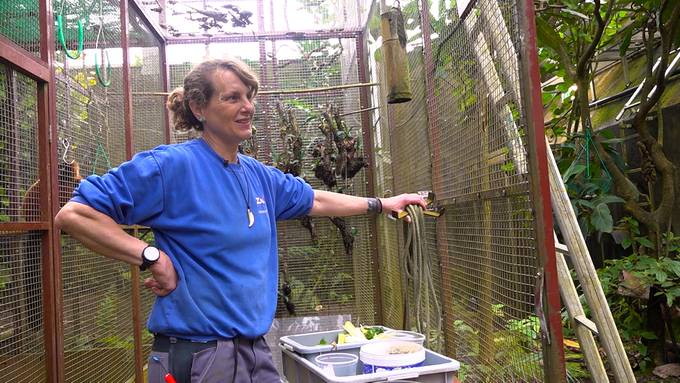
{"points": [[338, 363], [391, 355], [407, 336]]}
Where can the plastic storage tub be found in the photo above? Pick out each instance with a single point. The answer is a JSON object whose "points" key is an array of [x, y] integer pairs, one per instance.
{"points": [[436, 368], [309, 343]]}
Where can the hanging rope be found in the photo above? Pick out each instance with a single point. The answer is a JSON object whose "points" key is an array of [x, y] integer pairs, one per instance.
{"points": [[105, 82], [60, 34], [418, 281], [585, 149]]}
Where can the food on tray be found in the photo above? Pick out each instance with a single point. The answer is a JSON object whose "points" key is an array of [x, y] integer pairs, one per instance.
{"points": [[404, 348]]}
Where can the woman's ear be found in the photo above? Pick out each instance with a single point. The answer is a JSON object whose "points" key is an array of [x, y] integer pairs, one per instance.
{"points": [[196, 110]]}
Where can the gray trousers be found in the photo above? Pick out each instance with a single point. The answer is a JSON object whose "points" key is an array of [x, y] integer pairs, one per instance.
{"points": [[237, 360]]}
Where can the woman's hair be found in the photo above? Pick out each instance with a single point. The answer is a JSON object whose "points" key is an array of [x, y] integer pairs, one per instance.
{"points": [[199, 88]]}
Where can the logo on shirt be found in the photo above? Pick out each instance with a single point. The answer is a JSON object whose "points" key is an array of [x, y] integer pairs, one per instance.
{"points": [[261, 205]]}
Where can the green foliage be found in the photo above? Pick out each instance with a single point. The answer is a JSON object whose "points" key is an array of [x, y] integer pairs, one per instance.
{"points": [[590, 196], [324, 283], [626, 283]]}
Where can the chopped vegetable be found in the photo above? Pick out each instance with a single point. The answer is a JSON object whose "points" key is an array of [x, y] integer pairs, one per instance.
{"points": [[323, 342], [371, 332]]}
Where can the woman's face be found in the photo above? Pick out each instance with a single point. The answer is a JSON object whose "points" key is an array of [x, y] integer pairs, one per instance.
{"points": [[229, 112]]}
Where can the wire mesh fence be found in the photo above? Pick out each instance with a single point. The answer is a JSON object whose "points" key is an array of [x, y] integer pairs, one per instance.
{"points": [[22, 351], [19, 21], [469, 148]]}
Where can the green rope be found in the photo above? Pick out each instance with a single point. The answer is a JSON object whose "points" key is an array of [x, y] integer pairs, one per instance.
{"points": [[101, 152], [62, 40]]}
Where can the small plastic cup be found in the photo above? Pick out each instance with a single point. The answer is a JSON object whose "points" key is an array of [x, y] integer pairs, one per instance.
{"points": [[338, 363]]}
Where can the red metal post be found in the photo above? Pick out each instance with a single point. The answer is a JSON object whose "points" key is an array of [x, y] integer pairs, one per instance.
{"points": [[553, 353], [367, 136], [53, 311]]}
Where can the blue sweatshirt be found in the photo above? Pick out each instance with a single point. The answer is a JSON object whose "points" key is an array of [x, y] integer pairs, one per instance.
{"points": [[196, 205]]}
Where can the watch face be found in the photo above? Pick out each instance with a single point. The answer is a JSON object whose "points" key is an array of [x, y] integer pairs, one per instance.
{"points": [[151, 254]]}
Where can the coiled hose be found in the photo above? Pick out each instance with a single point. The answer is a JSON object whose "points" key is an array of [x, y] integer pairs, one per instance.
{"points": [[418, 281]]}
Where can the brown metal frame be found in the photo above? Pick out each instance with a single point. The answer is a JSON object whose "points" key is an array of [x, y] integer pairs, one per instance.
{"points": [[367, 137], [128, 123], [147, 19], [291, 35], [553, 354], [23, 61]]}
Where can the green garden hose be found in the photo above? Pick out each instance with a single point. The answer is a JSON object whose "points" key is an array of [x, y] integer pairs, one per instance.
{"points": [[62, 40], [418, 280], [104, 82]]}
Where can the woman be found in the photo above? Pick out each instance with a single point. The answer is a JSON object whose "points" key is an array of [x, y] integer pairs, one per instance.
{"points": [[213, 212]]}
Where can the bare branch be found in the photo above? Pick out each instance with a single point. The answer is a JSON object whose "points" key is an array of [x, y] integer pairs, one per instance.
{"points": [[666, 31], [583, 61]]}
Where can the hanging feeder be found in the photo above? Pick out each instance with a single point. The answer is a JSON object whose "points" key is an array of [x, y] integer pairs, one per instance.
{"points": [[396, 59]]}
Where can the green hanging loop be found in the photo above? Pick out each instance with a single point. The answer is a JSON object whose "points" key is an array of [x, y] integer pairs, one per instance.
{"points": [[100, 152], [104, 82], [62, 40]]}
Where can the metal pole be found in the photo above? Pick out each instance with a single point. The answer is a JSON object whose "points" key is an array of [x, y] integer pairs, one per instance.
{"points": [[264, 81], [49, 202], [553, 353], [367, 137], [165, 83], [127, 121]]}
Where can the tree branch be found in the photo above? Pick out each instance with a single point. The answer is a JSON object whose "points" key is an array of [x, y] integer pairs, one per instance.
{"points": [[659, 80], [624, 187], [582, 66]]}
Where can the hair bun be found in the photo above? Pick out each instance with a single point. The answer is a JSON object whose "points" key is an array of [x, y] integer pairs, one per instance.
{"points": [[176, 100]]}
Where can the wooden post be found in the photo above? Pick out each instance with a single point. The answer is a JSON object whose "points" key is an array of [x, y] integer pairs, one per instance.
{"points": [[585, 270]]}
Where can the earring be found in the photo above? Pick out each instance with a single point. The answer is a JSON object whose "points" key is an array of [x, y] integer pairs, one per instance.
{"points": [[201, 119]]}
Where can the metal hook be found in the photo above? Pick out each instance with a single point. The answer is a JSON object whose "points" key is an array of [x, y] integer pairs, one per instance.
{"points": [[66, 144]]}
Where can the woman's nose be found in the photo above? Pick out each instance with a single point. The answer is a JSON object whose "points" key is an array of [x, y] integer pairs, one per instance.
{"points": [[249, 105]]}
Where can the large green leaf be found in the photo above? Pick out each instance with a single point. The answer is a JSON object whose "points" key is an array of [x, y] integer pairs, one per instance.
{"points": [[574, 170], [609, 198], [601, 218], [547, 35]]}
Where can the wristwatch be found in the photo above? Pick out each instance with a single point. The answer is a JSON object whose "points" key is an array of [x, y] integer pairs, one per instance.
{"points": [[150, 255]]}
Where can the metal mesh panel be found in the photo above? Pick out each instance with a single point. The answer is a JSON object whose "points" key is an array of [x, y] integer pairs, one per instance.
{"points": [[20, 24], [403, 142], [98, 339], [348, 285], [19, 194], [296, 15], [148, 110], [208, 18], [98, 336], [22, 351], [489, 263], [466, 145]]}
